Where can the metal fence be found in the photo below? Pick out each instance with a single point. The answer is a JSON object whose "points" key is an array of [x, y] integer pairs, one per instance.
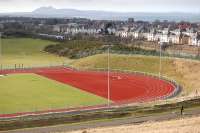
{"points": [[23, 66]]}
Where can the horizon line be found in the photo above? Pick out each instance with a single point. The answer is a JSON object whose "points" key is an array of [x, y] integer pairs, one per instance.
{"points": [[112, 11]]}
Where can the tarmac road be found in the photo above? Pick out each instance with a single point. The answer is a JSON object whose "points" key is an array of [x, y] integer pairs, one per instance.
{"points": [[110, 123]]}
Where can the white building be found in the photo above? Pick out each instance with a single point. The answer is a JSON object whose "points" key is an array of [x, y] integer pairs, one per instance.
{"points": [[56, 28], [111, 31], [198, 44], [82, 30], [124, 34], [137, 33], [165, 36], [194, 39], [190, 32], [175, 38], [151, 35]]}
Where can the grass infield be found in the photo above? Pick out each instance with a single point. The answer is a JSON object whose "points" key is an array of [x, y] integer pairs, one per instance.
{"points": [[31, 92]]}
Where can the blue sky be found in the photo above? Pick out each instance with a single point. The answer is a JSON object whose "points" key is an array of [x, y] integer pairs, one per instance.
{"points": [[106, 5]]}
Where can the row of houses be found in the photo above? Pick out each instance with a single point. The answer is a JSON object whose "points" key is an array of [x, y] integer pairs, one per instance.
{"points": [[177, 36], [66, 29], [187, 36]]}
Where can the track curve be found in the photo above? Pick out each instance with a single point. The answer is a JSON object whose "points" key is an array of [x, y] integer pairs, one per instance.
{"points": [[124, 87]]}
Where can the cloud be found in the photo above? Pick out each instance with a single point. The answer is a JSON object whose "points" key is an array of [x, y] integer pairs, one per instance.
{"points": [[111, 5]]}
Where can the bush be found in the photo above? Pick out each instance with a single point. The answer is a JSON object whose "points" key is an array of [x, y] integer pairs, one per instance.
{"points": [[82, 48]]}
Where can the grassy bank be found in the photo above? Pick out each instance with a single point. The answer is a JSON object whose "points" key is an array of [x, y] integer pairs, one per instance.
{"points": [[27, 51], [185, 72]]}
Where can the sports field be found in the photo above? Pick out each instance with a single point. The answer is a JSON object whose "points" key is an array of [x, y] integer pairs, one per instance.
{"points": [[28, 52], [31, 92], [28, 92], [36, 90]]}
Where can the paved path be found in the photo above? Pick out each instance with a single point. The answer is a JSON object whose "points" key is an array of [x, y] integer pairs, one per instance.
{"points": [[131, 120]]}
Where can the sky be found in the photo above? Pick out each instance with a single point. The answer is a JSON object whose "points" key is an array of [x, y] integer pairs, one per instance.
{"points": [[105, 5]]}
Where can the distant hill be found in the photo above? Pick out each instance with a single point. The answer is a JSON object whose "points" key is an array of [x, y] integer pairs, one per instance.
{"points": [[92, 14]]}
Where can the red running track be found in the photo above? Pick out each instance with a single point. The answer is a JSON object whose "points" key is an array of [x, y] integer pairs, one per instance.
{"points": [[123, 87]]}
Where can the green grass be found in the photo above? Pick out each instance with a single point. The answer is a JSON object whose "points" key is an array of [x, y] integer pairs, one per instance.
{"points": [[185, 72], [28, 51], [126, 62], [31, 92]]}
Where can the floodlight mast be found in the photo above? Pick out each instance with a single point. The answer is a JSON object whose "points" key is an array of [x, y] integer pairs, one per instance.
{"points": [[108, 74], [160, 62], [0, 46]]}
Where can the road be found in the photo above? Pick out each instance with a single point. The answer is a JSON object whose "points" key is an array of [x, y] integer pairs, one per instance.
{"points": [[110, 123]]}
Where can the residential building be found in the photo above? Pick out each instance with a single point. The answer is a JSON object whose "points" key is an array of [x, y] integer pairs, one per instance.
{"points": [[194, 39], [151, 35], [184, 39]]}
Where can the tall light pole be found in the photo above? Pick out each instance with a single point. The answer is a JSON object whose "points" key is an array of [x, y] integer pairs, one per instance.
{"points": [[0, 46], [160, 64], [108, 74]]}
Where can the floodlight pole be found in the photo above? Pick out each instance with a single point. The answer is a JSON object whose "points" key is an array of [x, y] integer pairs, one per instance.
{"points": [[0, 46], [108, 74], [160, 69]]}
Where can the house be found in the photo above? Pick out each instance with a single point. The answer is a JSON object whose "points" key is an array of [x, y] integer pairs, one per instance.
{"points": [[194, 39], [111, 31], [190, 32], [175, 36], [122, 32], [151, 35], [198, 43], [165, 36], [137, 33], [56, 28], [184, 39], [176, 31], [82, 30], [159, 35], [118, 32], [1, 26], [198, 40]]}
